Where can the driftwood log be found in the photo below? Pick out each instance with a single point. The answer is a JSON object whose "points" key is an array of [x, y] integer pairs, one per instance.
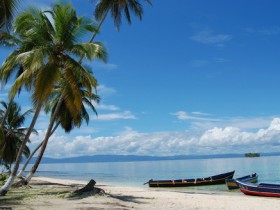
{"points": [[89, 188]]}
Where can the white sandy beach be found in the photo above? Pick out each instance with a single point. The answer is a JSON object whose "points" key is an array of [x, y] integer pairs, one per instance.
{"points": [[122, 197]]}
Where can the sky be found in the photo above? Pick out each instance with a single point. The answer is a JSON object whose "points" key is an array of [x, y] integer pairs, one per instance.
{"points": [[193, 77]]}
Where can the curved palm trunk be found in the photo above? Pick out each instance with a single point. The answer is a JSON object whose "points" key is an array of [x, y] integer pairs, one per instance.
{"points": [[6, 187], [32, 154], [28, 160], [45, 142]]}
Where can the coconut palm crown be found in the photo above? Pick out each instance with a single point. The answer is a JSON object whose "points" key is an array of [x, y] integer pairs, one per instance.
{"points": [[118, 8]]}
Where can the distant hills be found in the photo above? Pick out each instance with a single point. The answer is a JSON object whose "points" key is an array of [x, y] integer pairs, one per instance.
{"points": [[133, 158]]}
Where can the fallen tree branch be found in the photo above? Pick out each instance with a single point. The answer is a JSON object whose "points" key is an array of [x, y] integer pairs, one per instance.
{"points": [[90, 187]]}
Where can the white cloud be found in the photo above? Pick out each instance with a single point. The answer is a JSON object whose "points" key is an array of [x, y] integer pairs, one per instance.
{"points": [[200, 113], [125, 115], [212, 141], [105, 91], [106, 107], [105, 66], [199, 63], [265, 32], [181, 115], [208, 37], [206, 121]]}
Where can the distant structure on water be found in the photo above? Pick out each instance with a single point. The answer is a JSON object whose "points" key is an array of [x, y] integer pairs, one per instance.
{"points": [[252, 155]]}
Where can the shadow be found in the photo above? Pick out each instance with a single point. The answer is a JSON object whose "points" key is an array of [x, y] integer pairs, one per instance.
{"points": [[78, 196], [56, 184], [6, 202], [128, 198]]}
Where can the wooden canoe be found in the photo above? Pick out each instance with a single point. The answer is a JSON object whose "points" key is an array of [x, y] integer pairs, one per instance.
{"points": [[232, 184], [211, 180], [263, 189]]}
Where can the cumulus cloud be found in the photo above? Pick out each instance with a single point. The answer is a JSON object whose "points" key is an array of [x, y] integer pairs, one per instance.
{"points": [[212, 141]]}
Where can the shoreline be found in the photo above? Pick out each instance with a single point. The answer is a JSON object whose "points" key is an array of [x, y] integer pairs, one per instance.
{"points": [[51, 193]]}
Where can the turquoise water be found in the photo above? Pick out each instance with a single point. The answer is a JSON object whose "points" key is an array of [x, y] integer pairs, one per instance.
{"points": [[137, 173]]}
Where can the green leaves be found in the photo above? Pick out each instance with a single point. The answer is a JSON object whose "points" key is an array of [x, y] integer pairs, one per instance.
{"points": [[118, 9], [91, 50], [12, 133], [7, 10]]}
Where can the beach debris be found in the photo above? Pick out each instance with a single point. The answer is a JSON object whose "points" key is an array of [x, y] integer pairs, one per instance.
{"points": [[90, 188]]}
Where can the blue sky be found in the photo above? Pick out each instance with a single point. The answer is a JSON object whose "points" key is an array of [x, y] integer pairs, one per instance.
{"points": [[193, 77]]}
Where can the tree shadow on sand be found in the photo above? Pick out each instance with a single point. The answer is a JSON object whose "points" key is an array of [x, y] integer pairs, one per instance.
{"points": [[80, 195], [129, 198]]}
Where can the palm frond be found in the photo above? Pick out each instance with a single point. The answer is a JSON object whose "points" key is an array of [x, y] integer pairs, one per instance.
{"points": [[7, 12]]}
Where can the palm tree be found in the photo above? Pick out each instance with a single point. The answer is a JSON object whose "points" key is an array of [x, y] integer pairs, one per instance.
{"points": [[14, 133], [49, 50], [7, 10], [101, 12], [26, 45], [65, 119], [116, 8]]}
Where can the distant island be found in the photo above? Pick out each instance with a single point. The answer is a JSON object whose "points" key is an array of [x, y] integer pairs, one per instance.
{"points": [[134, 158], [252, 155]]}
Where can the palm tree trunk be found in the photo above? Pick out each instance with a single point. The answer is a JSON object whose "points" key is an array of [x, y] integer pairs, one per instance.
{"points": [[32, 154], [45, 142], [6, 187], [29, 158]]}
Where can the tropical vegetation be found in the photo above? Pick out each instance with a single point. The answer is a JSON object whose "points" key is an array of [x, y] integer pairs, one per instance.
{"points": [[14, 133], [46, 60]]}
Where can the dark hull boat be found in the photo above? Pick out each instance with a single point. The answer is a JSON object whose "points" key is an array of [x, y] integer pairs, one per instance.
{"points": [[212, 180], [232, 184], [268, 190]]}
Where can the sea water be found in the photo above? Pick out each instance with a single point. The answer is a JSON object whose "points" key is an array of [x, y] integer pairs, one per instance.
{"points": [[137, 173]]}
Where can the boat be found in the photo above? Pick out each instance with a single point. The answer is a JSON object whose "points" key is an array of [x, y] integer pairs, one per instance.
{"points": [[262, 189], [211, 180], [231, 183]]}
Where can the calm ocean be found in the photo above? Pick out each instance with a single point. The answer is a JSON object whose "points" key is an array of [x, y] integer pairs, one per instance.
{"points": [[136, 173]]}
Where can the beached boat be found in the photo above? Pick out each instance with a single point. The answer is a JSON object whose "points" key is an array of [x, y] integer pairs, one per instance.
{"points": [[212, 180], [263, 189], [232, 184]]}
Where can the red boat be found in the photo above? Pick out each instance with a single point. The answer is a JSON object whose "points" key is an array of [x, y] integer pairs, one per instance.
{"points": [[263, 189]]}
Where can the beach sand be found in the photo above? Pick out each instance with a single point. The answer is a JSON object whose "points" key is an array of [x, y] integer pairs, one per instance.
{"points": [[49, 193]]}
